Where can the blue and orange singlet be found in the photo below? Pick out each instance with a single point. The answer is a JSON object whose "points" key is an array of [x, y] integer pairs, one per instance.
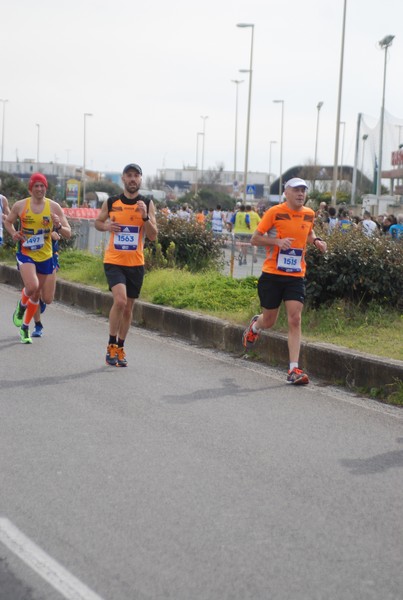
{"points": [[37, 229]]}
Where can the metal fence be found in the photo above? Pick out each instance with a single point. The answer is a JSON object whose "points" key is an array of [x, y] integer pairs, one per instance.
{"points": [[241, 259]]}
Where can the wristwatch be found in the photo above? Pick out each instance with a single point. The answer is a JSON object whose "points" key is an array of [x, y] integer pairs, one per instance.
{"points": [[147, 218]]}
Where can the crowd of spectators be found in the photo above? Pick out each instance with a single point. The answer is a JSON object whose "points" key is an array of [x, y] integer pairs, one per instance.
{"points": [[330, 219]]}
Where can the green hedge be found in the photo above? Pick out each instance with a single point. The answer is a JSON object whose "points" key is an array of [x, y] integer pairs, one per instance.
{"points": [[194, 247], [357, 268]]}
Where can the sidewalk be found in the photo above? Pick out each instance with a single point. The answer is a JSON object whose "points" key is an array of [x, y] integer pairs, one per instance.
{"points": [[329, 363]]}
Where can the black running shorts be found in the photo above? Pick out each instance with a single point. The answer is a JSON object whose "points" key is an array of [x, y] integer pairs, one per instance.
{"points": [[131, 277], [273, 289]]}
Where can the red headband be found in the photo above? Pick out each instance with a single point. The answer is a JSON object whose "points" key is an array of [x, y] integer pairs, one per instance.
{"points": [[37, 178]]}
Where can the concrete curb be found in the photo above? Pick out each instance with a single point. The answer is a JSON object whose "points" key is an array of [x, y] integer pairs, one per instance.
{"points": [[327, 362]]}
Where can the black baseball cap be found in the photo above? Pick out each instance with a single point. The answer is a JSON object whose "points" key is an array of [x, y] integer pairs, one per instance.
{"points": [[133, 166]]}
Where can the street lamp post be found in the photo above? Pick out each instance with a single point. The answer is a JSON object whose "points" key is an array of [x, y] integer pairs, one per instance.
{"points": [[84, 154], [364, 139], [237, 82], [319, 106], [37, 144], [199, 133], [342, 152], [204, 137], [384, 44], [2, 132], [336, 145], [250, 71], [271, 145], [280, 189]]}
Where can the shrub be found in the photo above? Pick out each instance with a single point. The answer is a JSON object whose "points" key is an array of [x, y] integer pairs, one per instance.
{"points": [[194, 247], [154, 257], [357, 268]]}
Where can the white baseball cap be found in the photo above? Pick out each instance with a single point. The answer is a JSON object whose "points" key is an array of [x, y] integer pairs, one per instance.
{"points": [[295, 182]]}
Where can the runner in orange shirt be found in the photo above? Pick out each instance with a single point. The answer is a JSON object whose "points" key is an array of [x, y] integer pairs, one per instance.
{"points": [[284, 230], [129, 217]]}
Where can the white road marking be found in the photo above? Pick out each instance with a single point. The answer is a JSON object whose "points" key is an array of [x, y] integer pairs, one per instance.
{"points": [[49, 569]]}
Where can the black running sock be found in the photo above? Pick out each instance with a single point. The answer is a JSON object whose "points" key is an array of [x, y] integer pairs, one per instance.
{"points": [[112, 339], [121, 343]]}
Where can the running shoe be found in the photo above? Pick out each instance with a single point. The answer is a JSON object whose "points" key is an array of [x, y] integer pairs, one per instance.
{"points": [[42, 304], [18, 315], [297, 377], [122, 362], [24, 335], [38, 330], [111, 355], [249, 336]]}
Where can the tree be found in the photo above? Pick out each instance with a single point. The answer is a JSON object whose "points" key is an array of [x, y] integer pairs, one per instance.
{"points": [[12, 187]]}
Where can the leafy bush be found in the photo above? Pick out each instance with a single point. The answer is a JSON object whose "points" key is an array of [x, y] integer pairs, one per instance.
{"points": [[154, 257], [357, 268], [195, 248]]}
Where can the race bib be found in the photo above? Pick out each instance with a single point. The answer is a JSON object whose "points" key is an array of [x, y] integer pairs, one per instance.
{"points": [[290, 260], [35, 242], [127, 239]]}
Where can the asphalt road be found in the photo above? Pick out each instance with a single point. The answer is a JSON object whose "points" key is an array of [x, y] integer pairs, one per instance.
{"points": [[189, 475]]}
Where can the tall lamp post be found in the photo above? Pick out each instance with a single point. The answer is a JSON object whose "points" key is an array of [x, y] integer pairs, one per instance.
{"points": [[318, 107], [250, 71], [2, 132], [280, 190], [364, 139], [204, 137], [336, 145], [271, 145], [37, 144], [342, 151], [85, 142], [237, 82], [199, 133], [384, 45]]}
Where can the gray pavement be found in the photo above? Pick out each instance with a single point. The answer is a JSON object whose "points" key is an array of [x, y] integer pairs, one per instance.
{"points": [[330, 363], [192, 474]]}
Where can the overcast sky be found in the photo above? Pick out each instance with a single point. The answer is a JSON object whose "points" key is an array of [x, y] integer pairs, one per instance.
{"points": [[148, 71]]}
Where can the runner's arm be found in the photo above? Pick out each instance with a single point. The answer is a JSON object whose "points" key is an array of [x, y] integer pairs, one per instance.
{"points": [[60, 222], [262, 239], [9, 221], [317, 242], [103, 222], [150, 226]]}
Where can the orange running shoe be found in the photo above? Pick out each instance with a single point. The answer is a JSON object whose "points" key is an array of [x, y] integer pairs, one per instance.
{"points": [[249, 336], [297, 377], [121, 358], [111, 355]]}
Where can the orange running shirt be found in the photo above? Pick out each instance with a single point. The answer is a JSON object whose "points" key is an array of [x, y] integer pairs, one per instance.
{"points": [[282, 222], [126, 247]]}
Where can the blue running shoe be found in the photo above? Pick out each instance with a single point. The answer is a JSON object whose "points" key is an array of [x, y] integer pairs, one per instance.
{"points": [[42, 304], [38, 330]]}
